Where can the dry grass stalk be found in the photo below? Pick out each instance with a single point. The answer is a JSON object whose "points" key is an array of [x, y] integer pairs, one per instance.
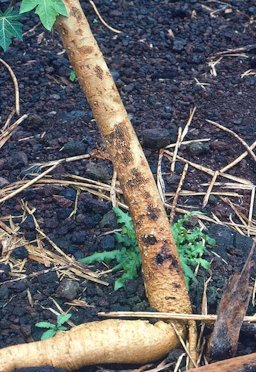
{"points": [[7, 123], [176, 149], [212, 65], [235, 135], [191, 360], [245, 48], [197, 193], [185, 130], [159, 177], [210, 318], [201, 340], [170, 156], [231, 185], [188, 142], [175, 199], [73, 213], [206, 170], [177, 366], [209, 190], [9, 130], [238, 159], [27, 185], [236, 210], [113, 189], [251, 209], [250, 72], [102, 19], [16, 86]]}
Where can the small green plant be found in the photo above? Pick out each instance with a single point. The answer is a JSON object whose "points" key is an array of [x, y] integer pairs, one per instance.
{"points": [[52, 329], [72, 76], [127, 257], [190, 245]]}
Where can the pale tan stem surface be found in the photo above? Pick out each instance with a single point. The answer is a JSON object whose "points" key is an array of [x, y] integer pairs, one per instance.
{"points": [[108, 341], [163, 275], [116, 341]]}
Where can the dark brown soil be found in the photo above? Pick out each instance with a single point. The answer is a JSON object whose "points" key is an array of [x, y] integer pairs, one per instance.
{"points": [[161, 66]]}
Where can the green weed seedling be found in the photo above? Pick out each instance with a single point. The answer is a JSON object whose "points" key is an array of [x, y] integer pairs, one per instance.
{"points": [[72, 76], [127, 258], [191, 246], [52, 329]]}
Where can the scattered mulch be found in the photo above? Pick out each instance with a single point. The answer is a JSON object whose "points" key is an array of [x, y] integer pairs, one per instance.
{"points": [[168, 61]]}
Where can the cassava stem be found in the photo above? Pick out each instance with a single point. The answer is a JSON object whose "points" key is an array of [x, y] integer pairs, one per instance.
{"points": [[113, 340], [163, 275]]}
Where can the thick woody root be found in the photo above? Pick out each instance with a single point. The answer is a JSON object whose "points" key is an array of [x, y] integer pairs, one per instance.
{"points": [[245, 363], [109, 341]]}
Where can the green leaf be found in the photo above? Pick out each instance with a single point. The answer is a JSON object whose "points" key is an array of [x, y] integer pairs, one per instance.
{"points": [[72, 76], [45, 325], [48, 334], [9, 27], [28, 5], [60, 8], [101, 257], [62, 328], [47, 10], [63, 318]]}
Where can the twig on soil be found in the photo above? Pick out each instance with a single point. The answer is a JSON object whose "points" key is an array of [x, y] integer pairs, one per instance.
{"points": [[250, 72], [175, 199], [245, 48], [201, 340], [185, 130], [188, 142], [175, 152], [16, 86], [27, 184], [7, 123], [113, 189], [210, 187], [237, 212], [9, 129], [184, 345], [212, 65], [181, 357], [171, 316], [73, 213], [159, 177], [32, 275], [102, 20], [209, 171], [238, 159], [31, 29], [251, 209], [197, 193], [234, 135], [201, 85]]}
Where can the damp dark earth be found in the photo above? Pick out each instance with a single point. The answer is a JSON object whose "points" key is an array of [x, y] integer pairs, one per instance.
{"points": [[186, 72]]}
